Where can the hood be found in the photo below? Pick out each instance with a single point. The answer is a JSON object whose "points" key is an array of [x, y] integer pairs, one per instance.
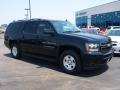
{"points": [[92, 37], [115, 38]]}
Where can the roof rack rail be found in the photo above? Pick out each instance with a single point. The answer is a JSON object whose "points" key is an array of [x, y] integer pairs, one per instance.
{"points": [[20, 20], [29, 20], [36, 19]]}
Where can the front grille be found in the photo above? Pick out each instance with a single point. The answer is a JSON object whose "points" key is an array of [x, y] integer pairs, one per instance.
{"points": [[104, 47], [114, 43]]}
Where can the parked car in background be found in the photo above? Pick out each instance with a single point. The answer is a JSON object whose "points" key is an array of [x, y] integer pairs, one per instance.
{"points": [[115, 37], [113, 27], [92, 27], [2, 31], [91, 31], [102, 31]]}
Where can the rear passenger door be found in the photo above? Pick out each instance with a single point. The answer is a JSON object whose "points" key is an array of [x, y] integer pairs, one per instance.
{"points": [[30, 37]]}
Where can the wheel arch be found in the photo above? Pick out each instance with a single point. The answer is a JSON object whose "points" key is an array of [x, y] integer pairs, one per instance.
{"points": [[13, 42], [69, 47]]}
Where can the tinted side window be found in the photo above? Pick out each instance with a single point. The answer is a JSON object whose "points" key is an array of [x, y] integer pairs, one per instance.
{"points": [[31, 27], [15, 26], [19, 26], [9, 27], [44, 26]]}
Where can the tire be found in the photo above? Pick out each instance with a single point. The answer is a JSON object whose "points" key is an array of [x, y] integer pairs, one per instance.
{"points": [[15, 51], [70, 62]]}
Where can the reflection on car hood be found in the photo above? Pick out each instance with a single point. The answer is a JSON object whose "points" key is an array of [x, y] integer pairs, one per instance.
{"points": [[91, 36]]}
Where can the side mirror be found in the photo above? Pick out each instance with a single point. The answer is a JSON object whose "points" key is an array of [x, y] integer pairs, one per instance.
{"points": [[48, 31]]}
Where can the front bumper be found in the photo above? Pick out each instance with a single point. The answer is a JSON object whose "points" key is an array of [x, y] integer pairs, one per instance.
{"points": [[96, 60]]}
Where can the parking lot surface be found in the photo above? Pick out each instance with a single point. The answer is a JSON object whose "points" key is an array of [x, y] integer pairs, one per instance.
{"points": [[35, 74]]}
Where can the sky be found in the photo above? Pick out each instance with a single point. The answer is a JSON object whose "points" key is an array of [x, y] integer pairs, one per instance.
{"points": [[11, 10]]}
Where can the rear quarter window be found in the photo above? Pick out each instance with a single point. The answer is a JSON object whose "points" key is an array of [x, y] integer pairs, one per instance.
{"points": [[31, 27], [14, 30], [9, 27], [15, 26]]}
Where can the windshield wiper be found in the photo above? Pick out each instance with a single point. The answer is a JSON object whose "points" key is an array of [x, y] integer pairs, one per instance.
{"points": [[71, 31], [77, 31], [68, 31]]}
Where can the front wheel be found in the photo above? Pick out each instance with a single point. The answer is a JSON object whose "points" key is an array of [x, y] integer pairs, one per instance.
{"points": [[15, 51], [70, 62]]}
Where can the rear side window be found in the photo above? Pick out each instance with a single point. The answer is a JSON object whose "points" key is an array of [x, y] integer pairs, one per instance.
{"points": [[44, 26], [31, 27], [15, 26], [9, 27]]}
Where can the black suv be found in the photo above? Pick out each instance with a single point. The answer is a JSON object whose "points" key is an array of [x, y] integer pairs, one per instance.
{"points": [[58, 41]]}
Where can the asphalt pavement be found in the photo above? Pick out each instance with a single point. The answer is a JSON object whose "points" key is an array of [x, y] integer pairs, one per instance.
{"points": [[34, 74]]}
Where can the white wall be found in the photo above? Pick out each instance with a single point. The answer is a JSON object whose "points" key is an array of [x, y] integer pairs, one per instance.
{"points": [[109, 7], [105, 8]]}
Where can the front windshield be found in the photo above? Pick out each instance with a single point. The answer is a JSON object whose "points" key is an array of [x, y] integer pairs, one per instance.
{"points": [[113, 33], [65, 27]]}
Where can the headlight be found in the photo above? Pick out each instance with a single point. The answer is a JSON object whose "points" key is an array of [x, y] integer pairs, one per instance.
{"points": [[91, 47], [119, 43]]}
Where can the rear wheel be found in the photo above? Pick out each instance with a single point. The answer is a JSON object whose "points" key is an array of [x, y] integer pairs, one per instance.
{"points": [[70, 62], [15, 51]]}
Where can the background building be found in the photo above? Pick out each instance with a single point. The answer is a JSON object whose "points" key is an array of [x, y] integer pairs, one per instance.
{"points": [[100, 16], [3, 26]]}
